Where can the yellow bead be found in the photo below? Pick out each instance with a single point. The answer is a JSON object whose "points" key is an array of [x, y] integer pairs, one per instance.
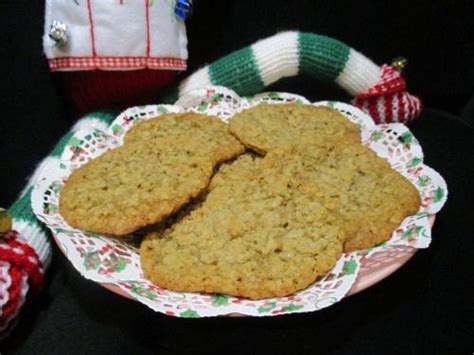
{"points": [[399, 63], [5, 221]]}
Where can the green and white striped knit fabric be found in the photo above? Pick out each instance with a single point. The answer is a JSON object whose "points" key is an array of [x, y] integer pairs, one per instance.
{"points": [[31, 230], [246, 71], [250, 69]]}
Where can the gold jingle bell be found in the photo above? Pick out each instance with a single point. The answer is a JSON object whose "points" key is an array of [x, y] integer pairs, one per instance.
{"points": [[399, 63], [5, 221]]}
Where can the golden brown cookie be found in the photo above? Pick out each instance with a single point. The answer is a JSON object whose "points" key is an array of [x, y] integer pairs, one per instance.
{"points": [[370, 197], [256, 235], [196, 131], [269, 126], [131, 187], [146, 179]]}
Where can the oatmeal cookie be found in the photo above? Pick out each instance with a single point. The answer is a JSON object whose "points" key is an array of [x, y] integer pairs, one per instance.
{"points": [[370, 198], [255, 235], [269, 126], [192, 130], [149, 177]]}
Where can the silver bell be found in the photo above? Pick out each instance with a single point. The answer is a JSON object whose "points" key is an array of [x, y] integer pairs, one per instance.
{"points": [[58, 33]]}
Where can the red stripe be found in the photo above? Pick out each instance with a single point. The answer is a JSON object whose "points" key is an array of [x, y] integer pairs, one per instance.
{"points": [[416, 108], [388, 108], [23, 256], [14, 297], [373, 109], [401, 108], [91, 24], [411, 109], [147, 5]]}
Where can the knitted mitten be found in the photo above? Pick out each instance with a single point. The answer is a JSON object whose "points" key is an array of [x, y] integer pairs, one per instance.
{"points": [[380, 91]]}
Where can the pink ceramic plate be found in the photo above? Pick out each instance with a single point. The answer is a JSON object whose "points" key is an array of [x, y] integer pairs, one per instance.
{"points": [[373, 269], [381, 265]]}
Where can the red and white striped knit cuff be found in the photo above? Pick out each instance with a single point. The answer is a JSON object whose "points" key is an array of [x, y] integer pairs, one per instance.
{"points": [[388, 100], [21, 271]]}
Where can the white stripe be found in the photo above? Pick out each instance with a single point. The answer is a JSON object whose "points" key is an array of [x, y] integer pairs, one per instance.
{"points": [[395, 110], [197, 80], [365, 106], [42, 166], [277, 56], [35, 238], [5, 282], [90, 122], [381, 108], [24, 287], [416, 105], [405, 106], [359, 74]]}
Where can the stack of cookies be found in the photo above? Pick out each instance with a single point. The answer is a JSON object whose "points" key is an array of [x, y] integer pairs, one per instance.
{"points": [[258, 208]]}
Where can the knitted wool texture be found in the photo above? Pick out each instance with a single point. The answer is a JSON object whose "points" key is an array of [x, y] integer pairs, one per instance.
{"points": [[380, 91], [26, 251]]}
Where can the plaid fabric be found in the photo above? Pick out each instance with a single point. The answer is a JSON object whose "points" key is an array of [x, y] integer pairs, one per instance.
{"points": [[116, 63]]}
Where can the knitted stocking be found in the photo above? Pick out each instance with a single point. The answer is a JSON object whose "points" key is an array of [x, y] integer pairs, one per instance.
{"points": [[26, 250]]}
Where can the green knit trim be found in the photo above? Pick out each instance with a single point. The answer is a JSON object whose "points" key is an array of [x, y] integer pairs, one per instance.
{"points": [[322, 56], [238, 71], [22, 205], [21, 210], [106, 116], [59, 148]]}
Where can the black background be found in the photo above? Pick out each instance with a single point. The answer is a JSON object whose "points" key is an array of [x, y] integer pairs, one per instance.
{"points": [[425, 307]]}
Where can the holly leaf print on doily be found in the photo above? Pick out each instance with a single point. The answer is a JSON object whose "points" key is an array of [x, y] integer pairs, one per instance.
{"points": [[438, 195], [267, 307], [292, 307], [189, 314], [220, 300], [350, 267], [92, 260]]}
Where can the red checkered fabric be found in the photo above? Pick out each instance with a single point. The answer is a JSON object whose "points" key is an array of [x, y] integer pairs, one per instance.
{"points": [[115, 63], [25, 272]]}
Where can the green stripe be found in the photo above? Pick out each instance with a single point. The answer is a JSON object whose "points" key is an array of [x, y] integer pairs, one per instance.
{"points": [[21, 210], [238, 71], [22, 204], [105, 116], [58, 149], [321, 56]]}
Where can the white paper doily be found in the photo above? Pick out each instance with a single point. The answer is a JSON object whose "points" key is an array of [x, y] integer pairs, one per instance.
{"points": [[115, 263]]}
